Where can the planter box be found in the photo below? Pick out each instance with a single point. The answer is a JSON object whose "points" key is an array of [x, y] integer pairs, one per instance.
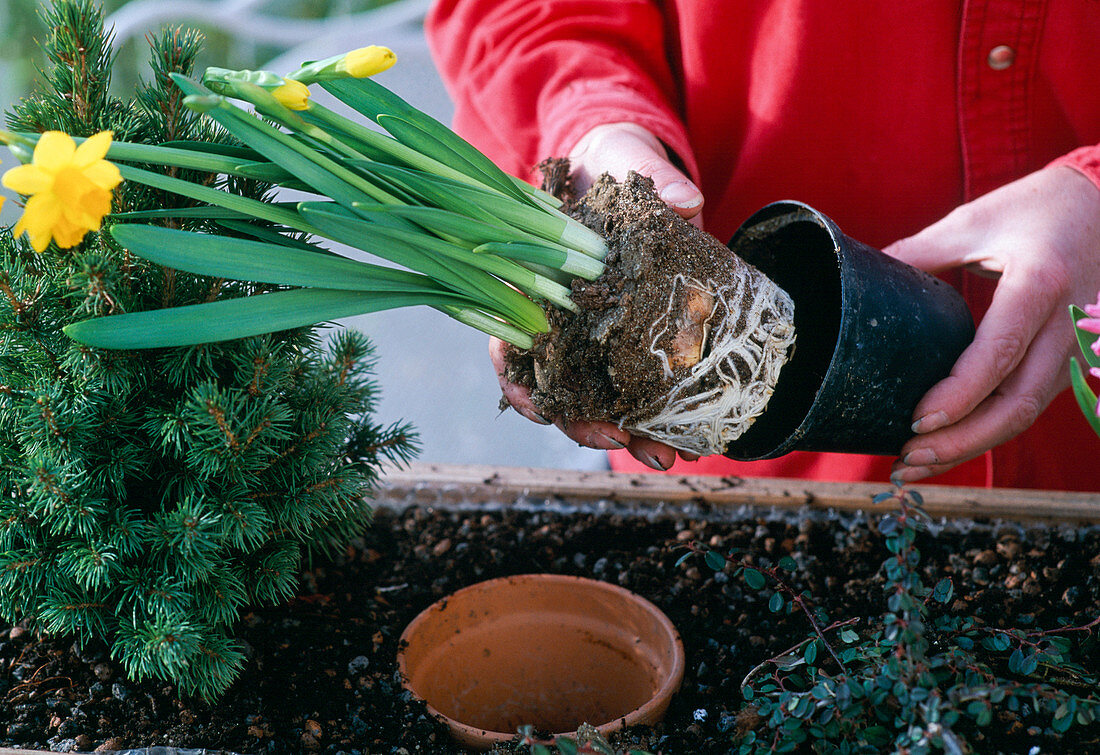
{"points": [[525, 502]]}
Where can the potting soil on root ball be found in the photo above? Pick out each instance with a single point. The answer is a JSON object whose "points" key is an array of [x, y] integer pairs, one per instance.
{"points": [[321, 673], [679, 339]]}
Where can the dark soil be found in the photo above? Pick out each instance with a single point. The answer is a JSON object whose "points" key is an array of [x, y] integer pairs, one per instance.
{"points": [[321, 671], [599, 363]]}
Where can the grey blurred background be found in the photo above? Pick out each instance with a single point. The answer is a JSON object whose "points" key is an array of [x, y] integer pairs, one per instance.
{"points": [[431, 371]]}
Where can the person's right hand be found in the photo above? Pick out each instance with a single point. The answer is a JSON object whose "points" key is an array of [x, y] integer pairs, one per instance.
{"points": [[617, 149]]}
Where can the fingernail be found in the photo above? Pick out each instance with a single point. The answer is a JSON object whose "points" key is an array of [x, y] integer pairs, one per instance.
{"points": [[681, 195], [652, 461], [601, 440], [930, 422], [910, 474], [533, 416], [922, 457]]}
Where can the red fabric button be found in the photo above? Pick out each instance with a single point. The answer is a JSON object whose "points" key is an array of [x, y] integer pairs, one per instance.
{"points": [[1001, 57]]}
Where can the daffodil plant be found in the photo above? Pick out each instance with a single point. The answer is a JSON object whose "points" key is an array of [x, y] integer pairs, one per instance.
{"points": [[1087, 322], [474, 243]]}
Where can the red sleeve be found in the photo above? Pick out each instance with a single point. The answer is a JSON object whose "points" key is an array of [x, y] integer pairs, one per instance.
{"points": [[530, 78], [1085, 160]]}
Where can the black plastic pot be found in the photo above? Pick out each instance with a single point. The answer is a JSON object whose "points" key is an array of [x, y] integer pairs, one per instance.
{"points": [[873, 335]]}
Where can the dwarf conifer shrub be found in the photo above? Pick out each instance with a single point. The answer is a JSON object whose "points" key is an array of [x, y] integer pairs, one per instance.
{"points": [[146, 497]]}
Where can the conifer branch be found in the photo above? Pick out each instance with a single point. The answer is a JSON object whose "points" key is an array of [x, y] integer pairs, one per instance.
{"points": [[143, 496]]}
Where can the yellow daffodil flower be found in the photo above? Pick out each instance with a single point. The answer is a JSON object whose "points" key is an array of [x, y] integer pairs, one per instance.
{"points": [[367, 61], [292, 94], [69, 189]]}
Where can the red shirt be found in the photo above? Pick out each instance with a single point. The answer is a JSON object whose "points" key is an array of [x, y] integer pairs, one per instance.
{"points": [[884, 116]]}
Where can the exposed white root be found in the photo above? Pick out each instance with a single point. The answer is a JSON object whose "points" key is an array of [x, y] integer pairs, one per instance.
{"points": [[715, 403]]}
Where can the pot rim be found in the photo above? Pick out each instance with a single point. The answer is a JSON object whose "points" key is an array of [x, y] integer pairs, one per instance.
{"points": [[655, 706]]}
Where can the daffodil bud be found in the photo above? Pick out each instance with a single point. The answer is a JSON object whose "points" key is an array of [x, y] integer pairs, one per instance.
{"points": [[367, 61], [361, 63], [292, 94], [261, 88]]}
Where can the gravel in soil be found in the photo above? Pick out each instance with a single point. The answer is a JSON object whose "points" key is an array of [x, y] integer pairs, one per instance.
{"points": [[321, 673]]}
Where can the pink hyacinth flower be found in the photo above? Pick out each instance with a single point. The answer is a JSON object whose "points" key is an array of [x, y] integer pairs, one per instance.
{"points": [[1091, 324], [1094, 309]]}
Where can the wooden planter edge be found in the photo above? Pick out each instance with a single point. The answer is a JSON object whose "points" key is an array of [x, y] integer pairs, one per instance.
{"points": [[442, 485]]}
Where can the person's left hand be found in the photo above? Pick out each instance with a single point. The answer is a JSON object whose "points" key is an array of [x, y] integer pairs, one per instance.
{"points": [[1041, 236]]}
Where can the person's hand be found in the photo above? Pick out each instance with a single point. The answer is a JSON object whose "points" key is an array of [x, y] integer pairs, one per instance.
{"points": [[1041, 236], [615, 148]]}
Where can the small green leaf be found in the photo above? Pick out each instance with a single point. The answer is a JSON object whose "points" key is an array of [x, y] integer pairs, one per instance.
{"points": [[944, 590], [566, 745], [1029, 664], [878, 736], [715, 560], [1062, 723], [754, 579], [680, 561], [788, 563], [775, 604], [882, 497], [810, 653], [848, 636], [1015, 661]]}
